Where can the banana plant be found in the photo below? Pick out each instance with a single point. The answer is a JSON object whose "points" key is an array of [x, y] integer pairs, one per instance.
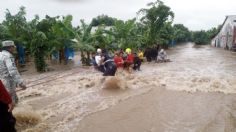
{"points": [[63, 32], [84, 41], [15, 24], [126, 34]]}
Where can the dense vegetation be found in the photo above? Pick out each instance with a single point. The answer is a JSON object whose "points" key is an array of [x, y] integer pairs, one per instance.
{"points": [[42, 37]]}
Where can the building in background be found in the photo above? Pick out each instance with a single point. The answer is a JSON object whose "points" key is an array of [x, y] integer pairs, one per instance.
{"points": [[226, 38]]}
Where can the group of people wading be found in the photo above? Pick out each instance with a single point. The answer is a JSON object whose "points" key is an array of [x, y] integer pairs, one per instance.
{"points": [[127, 60], [102, 61]]}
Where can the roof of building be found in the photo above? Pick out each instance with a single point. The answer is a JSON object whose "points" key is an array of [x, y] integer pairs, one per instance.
{"points": [[232, 18]]}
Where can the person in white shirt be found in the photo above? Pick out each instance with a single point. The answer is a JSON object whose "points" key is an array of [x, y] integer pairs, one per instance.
{"points": [[162, 56], [8, 70], [99, 60]]}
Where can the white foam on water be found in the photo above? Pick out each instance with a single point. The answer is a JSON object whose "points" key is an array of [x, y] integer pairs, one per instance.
{"points": [[69, 100], [63, 103]]}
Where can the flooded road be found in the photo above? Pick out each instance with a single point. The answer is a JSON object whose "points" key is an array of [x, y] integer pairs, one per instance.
{"points": [[167, 111], [208, 76], [196, 92], [195, 68]]}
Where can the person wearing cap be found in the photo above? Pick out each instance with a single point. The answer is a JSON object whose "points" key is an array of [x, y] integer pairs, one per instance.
{"points": [[8, 70], [8, 121], [130, 56]]}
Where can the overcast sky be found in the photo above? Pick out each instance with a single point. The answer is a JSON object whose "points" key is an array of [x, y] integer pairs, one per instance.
{"points": [[194, 14]]}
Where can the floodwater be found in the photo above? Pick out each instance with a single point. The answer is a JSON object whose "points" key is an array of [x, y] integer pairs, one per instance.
{"points": [[193, 93]]}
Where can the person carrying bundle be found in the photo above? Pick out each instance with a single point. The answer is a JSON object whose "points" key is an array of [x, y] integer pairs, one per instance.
{"points": [[109, 65]]}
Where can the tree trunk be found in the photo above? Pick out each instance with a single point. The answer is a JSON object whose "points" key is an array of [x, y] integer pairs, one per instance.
{"points": [[88, 58], [82, 57], [61, 55]]}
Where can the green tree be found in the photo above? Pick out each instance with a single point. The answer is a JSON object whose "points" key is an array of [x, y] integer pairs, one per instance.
{"points": [[3, 33], [59, 33], [155, 18], [125, 34], [213, 31], [102, 38], [181, 33], [166, 34], [39, 50], [36, 41], [14, 25], [204, 37], [200, 37], [63, 33], [84, 42], [103, 20]]}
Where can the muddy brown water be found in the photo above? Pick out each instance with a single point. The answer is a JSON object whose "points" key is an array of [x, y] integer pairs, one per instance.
{"points": [[164, 110], [196, 92]]}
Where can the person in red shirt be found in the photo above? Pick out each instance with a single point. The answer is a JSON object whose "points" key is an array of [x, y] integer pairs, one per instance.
{"points": [[118, 60], [130, 58], [4, 96], [129, 61], [7, 120]]}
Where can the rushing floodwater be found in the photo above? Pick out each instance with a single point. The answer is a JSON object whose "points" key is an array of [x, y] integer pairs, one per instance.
{"points": [[193, 93]]}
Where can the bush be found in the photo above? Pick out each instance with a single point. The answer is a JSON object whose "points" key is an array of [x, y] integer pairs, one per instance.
{"points": [[201, 37]]}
